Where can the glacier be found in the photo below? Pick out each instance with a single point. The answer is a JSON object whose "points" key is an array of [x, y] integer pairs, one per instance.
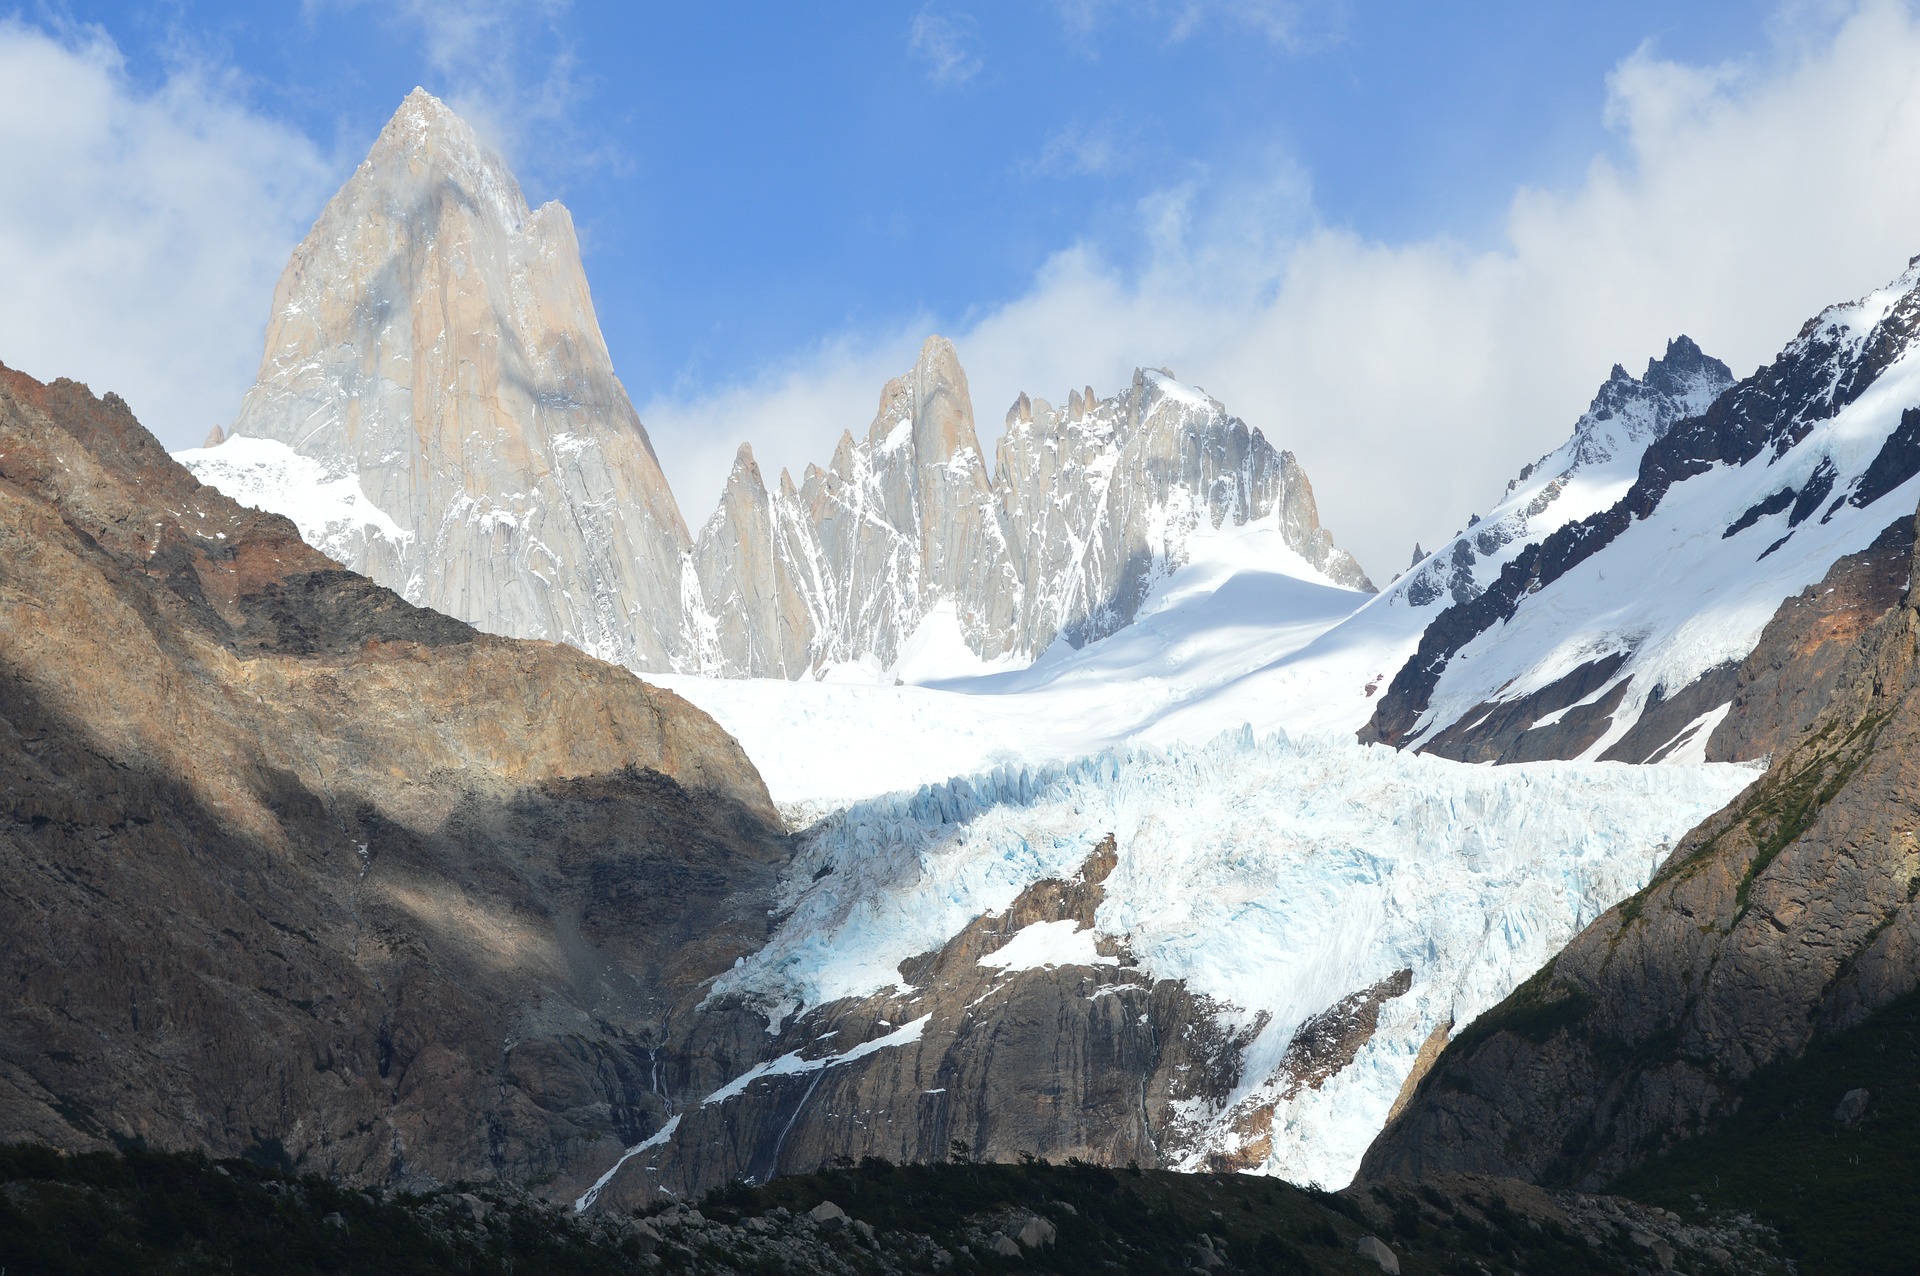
{"points": [[1272, 874]]}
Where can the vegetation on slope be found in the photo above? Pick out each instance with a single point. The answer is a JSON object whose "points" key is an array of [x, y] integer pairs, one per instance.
{"points": [[1843, 1195]]}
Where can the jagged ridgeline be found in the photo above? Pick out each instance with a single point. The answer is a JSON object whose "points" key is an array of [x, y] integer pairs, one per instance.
{"points": [[1086, 507], [436, 408], [1612, 607]]}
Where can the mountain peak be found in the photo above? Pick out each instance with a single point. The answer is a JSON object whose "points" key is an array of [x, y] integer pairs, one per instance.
{"points": [[434, 345], [1686, 369]]}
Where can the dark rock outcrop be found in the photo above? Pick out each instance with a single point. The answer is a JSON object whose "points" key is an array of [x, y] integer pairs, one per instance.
{"points": [[293, 866], [1094, 1061], [1782, 687]]}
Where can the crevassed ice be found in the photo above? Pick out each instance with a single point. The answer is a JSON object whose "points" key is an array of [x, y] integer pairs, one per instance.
{"points": [[1274, 876]]}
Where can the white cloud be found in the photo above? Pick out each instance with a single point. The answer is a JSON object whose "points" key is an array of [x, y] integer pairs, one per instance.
{"points": [[946, 44], [1413, 379], [141, 231], [1295, 25], [1080, 150]]}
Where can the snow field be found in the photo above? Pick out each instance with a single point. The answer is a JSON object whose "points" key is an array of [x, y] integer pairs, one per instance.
{"points": [[333, 513]]}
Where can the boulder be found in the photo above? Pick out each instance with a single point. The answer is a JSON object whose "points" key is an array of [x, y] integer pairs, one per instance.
{"points": [[1372, 1247], [1853, 1106], [829, 1217], [1036, 1233]]}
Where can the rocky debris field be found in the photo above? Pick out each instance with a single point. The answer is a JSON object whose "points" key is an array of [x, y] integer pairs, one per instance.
{"points": [[142, 1211]]}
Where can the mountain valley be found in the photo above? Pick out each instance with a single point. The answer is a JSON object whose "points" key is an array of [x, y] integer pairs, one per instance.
{"points": [[401, 791]]}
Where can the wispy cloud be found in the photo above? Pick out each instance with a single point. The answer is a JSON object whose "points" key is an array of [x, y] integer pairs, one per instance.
{"points": [[1081, 150], [141, 228], [509, 67], [1413, 378], [1297, 26], [946, 43]]}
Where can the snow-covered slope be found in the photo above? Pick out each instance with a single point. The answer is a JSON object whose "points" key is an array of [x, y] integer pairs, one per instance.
{"points": [[1240, 601], [1619, 634], [1335, 682], [1243, 630]]}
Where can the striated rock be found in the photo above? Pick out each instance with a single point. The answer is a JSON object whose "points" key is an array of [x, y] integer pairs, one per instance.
{"points": [[298, 869], [1102, 504], [1781, 689], [433, 342], [1786, 917], [752, 558], [1093, 1061], [894, 527]]}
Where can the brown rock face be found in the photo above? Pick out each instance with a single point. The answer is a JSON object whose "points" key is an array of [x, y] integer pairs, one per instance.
{"points": [[1096, 1061], [1786, 916], [1784, 685], [292, 865]]}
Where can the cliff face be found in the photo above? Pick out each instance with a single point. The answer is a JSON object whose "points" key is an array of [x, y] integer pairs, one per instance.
{"points": [[1105, 494], [296, 866], [1785, 918], [433, 342]]}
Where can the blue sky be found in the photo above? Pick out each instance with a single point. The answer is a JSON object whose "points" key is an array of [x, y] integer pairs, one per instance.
{"points": [[750, 177], [776, 204]]}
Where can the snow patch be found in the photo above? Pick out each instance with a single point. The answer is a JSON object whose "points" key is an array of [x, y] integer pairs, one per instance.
{"points": [[792, 1064], [658, 1139], [332, 512], [1048, 944]]}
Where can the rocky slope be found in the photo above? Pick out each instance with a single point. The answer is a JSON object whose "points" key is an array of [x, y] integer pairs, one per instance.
{"points": [[146, 1212], [904, 539], [294, 866], [1621, 630], [1787, 917], [437, 408]]}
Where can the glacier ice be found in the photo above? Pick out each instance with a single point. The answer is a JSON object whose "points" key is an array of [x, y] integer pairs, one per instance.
{"points": [[1274, 875]]}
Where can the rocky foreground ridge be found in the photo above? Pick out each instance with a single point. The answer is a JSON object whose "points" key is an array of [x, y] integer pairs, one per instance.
{"points": [[295, 867], [436, 408], [97, 1210]]}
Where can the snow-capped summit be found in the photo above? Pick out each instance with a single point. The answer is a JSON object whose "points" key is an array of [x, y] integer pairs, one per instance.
{"points": [[437, 408], [1621, 634], [1104, 496], [1590, 471]]}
